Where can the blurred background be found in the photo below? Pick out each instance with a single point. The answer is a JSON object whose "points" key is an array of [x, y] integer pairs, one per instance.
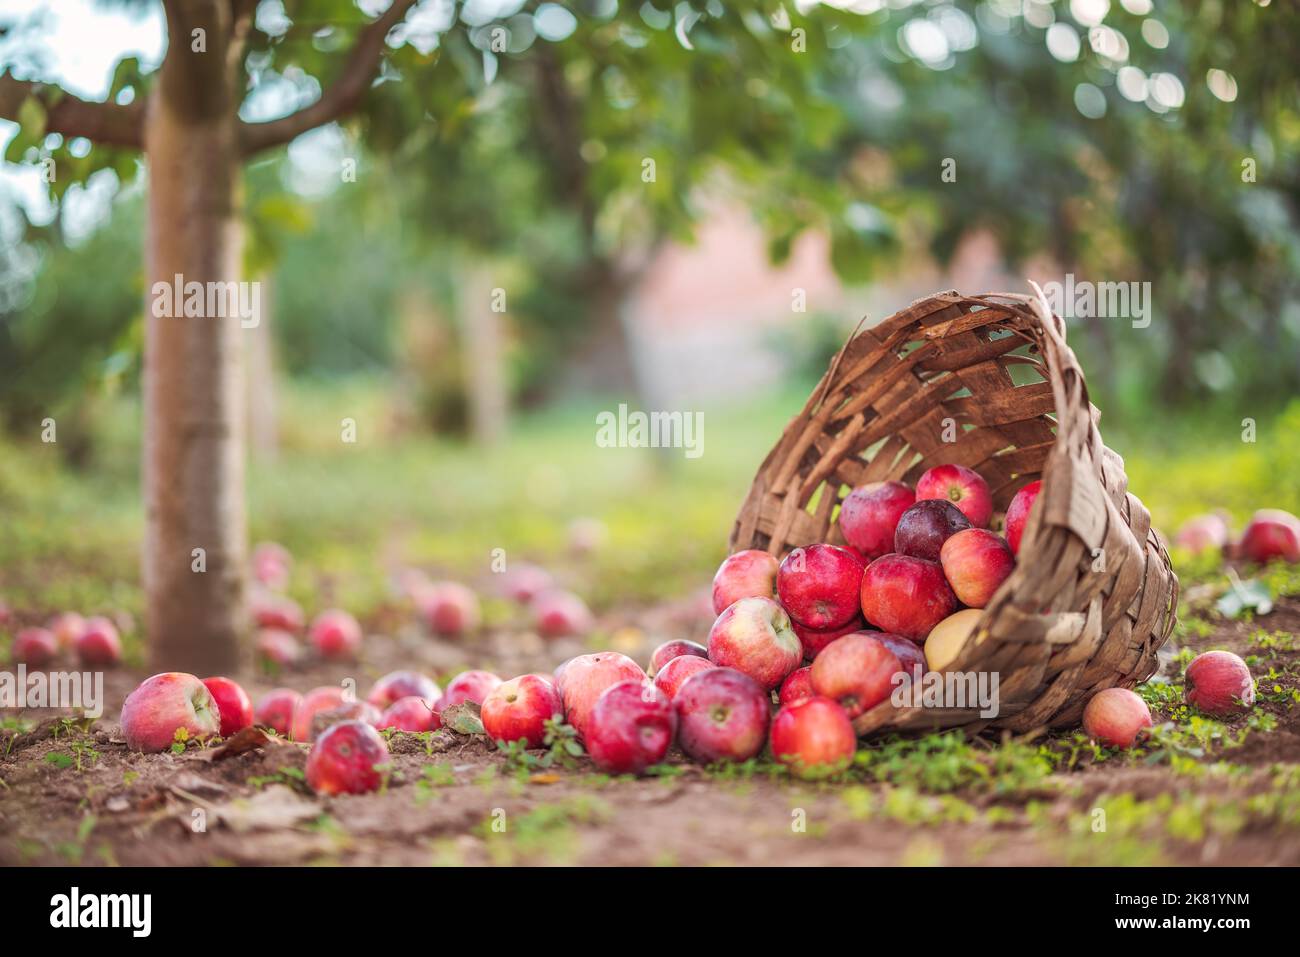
{"points": [[543, 210]]}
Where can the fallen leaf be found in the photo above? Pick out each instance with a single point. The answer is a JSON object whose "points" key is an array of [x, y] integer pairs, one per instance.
{"points": [[463, 718], [275, 807], [241, 742], [545, 779], [1252, 594]]}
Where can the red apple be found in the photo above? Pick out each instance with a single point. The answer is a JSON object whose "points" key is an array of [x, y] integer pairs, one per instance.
{"points": [[276, 710], [869, 515], [1271, 533], [818, 585], [675, 649], [518, 709], [673, 675], [522, 583], [1219, 683], [276, 611], [976, 562], [1204, 532], [35, 647], [1018, 513], [278, 647], [469, 686], [747, 574], [67, 627], [322, 721], [909, 654], [631, 727], [856, 671], [561, 614], [813, 737], [1116, 717], [797, 685], [722, 715], [335, 634], [906, 596], [961, 486], [271, 565], [315, 701], [583, 679], [450, 609], [349, 758], [754, 636], [233, 704], [814, 640], [926, 526], [98, 643], [411, 713], [403, 684], [163, 704]]}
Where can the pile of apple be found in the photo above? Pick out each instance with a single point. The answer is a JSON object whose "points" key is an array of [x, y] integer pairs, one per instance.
{"points": [[1271, 535], [94, 641]]}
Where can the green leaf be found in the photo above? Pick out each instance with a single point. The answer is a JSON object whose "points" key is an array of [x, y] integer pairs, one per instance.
{"points": [[1251, 594], [59, 759], [463, 718]]}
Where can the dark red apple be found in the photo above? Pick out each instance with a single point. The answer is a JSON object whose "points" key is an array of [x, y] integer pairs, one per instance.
{"points": [[814, 640], [675, 649], [233, 704], [818, 585], [1270, 534], [349, 758], [1018, 513], [747, 574], [276, 710], [961, 486], [976, 562], [582, 680], [797, 686], [926, 526], [906, 596], [518, 709], [722, 715], [673, 675], [813, 737], [869, 515], [857, 671], [1219, 683], [631, 727], [754, 636]]}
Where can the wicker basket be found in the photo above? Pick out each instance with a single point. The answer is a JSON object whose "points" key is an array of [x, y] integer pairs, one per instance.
{"points": [[1092, 596]]}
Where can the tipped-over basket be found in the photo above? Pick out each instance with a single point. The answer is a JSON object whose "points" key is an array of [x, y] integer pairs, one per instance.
{"points": [[986, 382]]}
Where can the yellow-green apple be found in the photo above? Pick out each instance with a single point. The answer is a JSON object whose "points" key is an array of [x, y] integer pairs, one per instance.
{"points": [[411, 713], [1219, 683], [162, 705], [906, 596], [233, 705], [948, 639], [747, 574], [403, 684], [815, 639], [673, 675], [1208, 532], [315, 701], [347, 711], [754, 636], [98, 643], [278, 648], [961, 486], [518, 709], [469, 686], [271, 565], [631, 727], [722, 715], [276, 709], [675, 649], [450, 609], [818, 585], [523, 582], [335, 634], [857, 671], [813, 737], [1270, 534], [976, 562], [869, 515], [560, 614], [1116, 717], [583, 679], [926, 526], [276, 611], [349, 758], [36, 647], [1018, 513], [67, 627], [797, 686]]}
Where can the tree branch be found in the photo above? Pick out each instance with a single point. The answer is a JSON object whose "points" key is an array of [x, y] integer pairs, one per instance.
{"points": [[342, 97], [105, 123]]}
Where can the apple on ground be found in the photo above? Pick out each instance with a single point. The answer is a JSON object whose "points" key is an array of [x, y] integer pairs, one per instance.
{"points": [[233, 705], [349, 758], [631, 727], [675, 649], [813, 737], [276, 709], [561, 614], [450, 609], [673, 675], [1203, 533], [67, 627], [1018, 513], [906, 596], [754, 636], [722, 715], [279, 648], [746, 574], [814, 639], [818, 585], [321, 721], [35, 647], [1116, 717], [403, 684], [98, 644], [1219, 683], [518, 709], [469, 686], [271, 565], [165, 703], [976, 562], [797, 686], [276, 611], [925, 526], [961, 486], [335, 634], [869, 516], [523, 582], [325, 698], [948, 638], [582, 680], [856, 671], [411, 713], [1270, 534]]}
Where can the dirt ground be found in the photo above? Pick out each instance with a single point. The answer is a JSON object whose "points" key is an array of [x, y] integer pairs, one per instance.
{"points": [[70, 791]]}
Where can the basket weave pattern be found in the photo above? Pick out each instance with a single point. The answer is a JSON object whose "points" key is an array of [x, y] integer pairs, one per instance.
{"points": [[1092, 596]]}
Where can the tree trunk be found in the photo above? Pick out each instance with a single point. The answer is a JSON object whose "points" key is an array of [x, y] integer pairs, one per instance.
{"points": [[193, 398], [263, 434], [483, 362]]}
